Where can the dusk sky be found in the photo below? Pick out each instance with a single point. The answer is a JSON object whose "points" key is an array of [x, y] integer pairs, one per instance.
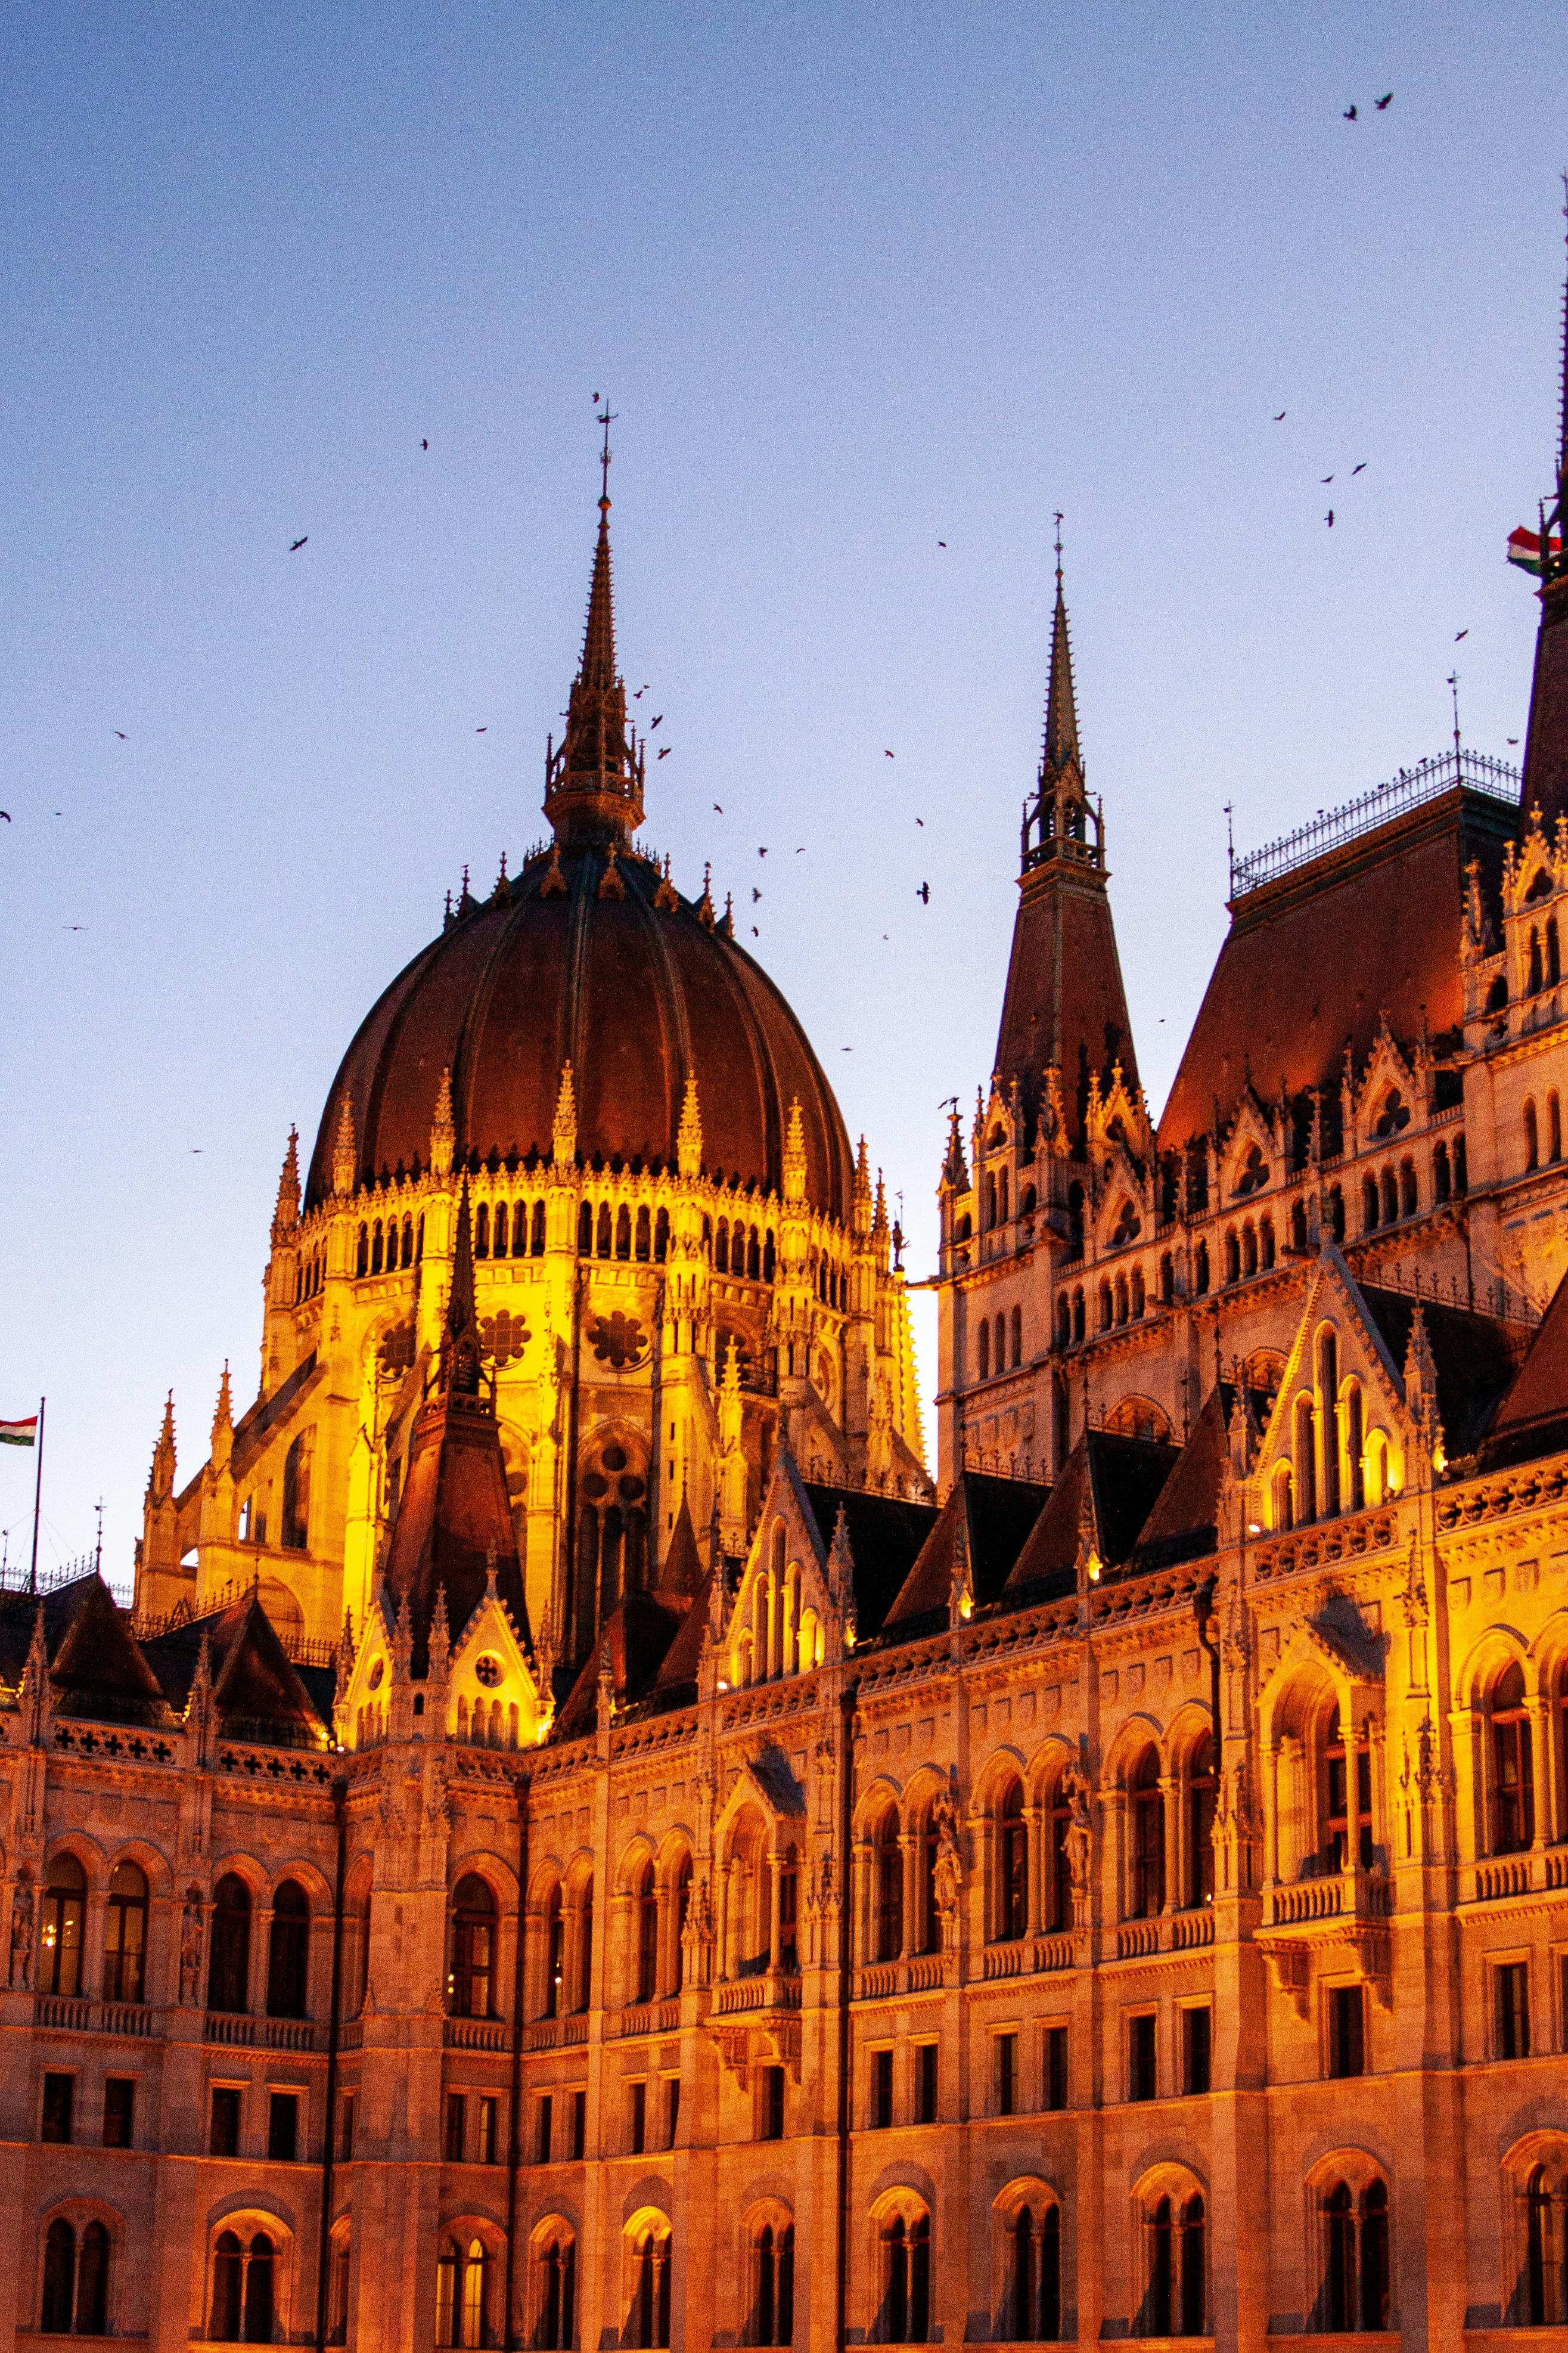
{"points": [[856, 281]]}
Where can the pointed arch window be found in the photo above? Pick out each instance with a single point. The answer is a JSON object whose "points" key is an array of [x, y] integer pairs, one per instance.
{"points": [[1146, 1804], [1532, 1135], [1546, 2283], [76, 2280], [650, 2291], [773, 2290], [645, 1897], [1033, 2311], [1511, 1760], [289, 1951], [463, 2292], [557, 2328], [228, 1969], [244, 2289], [125, 1936], [888, 1887], [1202, 1786], [1012, 1864], [906, 2278], [472, 1974]]}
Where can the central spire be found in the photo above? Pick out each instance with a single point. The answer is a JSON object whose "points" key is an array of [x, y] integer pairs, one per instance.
{"points": [[593, 781], [1061, 746], [1061, 824]]}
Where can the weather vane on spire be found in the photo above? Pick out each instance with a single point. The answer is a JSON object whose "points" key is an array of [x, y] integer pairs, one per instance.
{"points": [[608, 419], [1058, 519], [1454, 690]]}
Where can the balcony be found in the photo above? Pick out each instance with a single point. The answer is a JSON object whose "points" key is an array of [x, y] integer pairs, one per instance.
{"points": [[241, 2029], [73, 2014]]}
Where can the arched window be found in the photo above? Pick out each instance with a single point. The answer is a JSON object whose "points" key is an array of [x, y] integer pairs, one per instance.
{"points": [[983, 1346], [682, 1908], [1537, 980], [906, 2281], [1442, 1179], [1284, 1497], [644, 1236], [338, 2286], [228, 1970], [1122, 1302], [1355, 2260], [463, 2290], [1532, 1135], [1193, 2300], [243, 2294], [1369, 1202], [1355, 1442], [623, 1232], [297, 1495], [58, 2312], [650, 2290], [552, 2004], [472, 1974], [375, 1248], [1063, 1323], [602, 1231], [500, 1228], [289, 1951], [1298, 1225], [536, 1231], [773, 2286], [362, 1259], [1060, 1888], [1335, 1207], [1390, 1197], [1553, 1126], [1106, 1307], [1033, 2307], [125, 1936], [481, 1230], [557, 2324], [1012, 1864], [1146, 1804], [1349, 1830], [583, 1958], [645, 1898], [93, 2281], [1265, 1244], [1018, 1330], [1328, 1398], [1408, 1200], [1001, 1343], [1374, 2257], [1545, 2286], [1201, 1268], [887, 1888], [1202, 1784], [408, 1241], [1161, 2296], [1078, 1314], [1167, 1278], [1306, 1460], [1511, 1765]]}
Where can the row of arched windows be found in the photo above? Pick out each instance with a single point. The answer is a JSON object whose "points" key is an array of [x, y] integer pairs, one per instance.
{"points": [[1388, 1198], [991, 1342], [63, 1920], [309, 1273], [513, 1230], [607, 1231], [742, 1250], [1544, 967], [383, 1246]]}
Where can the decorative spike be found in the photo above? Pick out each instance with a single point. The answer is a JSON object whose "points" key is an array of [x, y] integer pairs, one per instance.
{"points": [[705, 904], [667, 898], [1060, 751], [727, 920], [594, 780], [611, 885], [555, 883], [795, 1155], [688, 1139], [160, 1480], [443, 1130], [459, 1363], [439, 1640], [564, 1134], [286, 1216], [222, 1424], [344, 1151]]}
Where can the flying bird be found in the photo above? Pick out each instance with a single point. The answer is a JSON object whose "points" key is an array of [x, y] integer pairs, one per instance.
{"points": [[121, 732], [298, 544], [73, 927], [1385, 101], [919, 821], [801, 851], [1353, 114], [1358, 469], [762, 852], [756, 894], [1280, 418], [1325, 480], [941, 543], [1512, 739], [638, 694], [924, 894], [756, 934], [425, 445], [6, 815], [720, 809], [846, 1049], [482, 731], [886, 755], [1328, 518], [1461, 633], [664, 751]]}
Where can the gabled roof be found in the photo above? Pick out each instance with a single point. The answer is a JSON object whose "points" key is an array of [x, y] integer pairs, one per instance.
{"points": [[254, 1683], [1110, 1482], [994, 1516], [885, 1537], [96, 1659], [1533, 1419], [1476, 1355], [637, 1636], [1184, 1521]]}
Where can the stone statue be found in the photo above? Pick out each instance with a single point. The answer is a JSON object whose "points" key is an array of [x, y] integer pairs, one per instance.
{"points": [[947, 1866], [191, 1945], [1079, 1839], [22, 1932]]}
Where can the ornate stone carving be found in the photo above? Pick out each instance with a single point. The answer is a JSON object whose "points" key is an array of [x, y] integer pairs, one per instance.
{"points": [[22, 1903]]}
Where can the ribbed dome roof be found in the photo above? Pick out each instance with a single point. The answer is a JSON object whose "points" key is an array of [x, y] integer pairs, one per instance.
{"points": [[636, 996]]}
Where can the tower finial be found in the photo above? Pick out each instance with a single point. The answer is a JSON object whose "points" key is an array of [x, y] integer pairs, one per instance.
{"points": [[594, 778], [1061, 744], [608, 419]]}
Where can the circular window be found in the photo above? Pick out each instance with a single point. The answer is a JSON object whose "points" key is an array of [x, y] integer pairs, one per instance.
{"points": [[488, 1670], [377, 1673], [594, 1483], [615, 1458], [630, 1489]]}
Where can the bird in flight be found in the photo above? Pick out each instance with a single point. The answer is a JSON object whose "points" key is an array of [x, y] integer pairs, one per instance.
{"points": [[756, 894], [299, 544], [1384, 102], [1358, 469], [1512, 739], [756, 934], [121, 732], [1353, 114], [638, 693], [924, 894], [720, 809], [886, 755], [1325, 480], [654, 723], [1461, 633], [482, 731], [6, 815], [846, 1049], [1328, 518], [762, 852], [73, 927], [664, 751], [919, 821], [1280, 418], [941, 543], [801, 851]]}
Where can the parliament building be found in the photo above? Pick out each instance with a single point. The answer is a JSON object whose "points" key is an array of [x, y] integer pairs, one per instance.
{"points": [[590, 1835]]}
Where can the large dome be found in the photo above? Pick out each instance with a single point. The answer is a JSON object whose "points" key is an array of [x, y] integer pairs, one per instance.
{"points": [[636, 995]]}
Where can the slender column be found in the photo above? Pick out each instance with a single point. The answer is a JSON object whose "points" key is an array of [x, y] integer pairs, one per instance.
{"points": [[907, 1856], [1035, 1849], [774, 1866]]}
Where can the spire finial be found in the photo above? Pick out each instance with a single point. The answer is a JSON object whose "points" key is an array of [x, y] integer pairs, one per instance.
{"points": [[459, 1362], [607, 420], [1061, 745], [594, 778], [1059, 524]]}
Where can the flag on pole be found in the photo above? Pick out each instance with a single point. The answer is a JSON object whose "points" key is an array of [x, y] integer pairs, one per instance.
{"points": [[20, 1433], [1524, 548]]}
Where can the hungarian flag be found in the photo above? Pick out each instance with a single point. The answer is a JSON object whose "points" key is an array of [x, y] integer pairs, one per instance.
{"points": [[20, 1433], [1524, 548]]}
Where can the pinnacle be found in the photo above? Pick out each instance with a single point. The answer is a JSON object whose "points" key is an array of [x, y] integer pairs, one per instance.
{"points": [[1061, 744]]}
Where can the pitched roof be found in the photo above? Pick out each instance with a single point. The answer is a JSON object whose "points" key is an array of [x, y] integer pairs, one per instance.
{"points": [[1184, 1521], [1113, 1480], [639, 1637], [454, 1511], [996, 1515], [1533, 1419], [885, 1536], [257, 1689], [1476, 1356]]}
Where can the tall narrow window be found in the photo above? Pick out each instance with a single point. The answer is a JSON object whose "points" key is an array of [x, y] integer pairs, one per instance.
{"points": [[59, 2305], [1201, 1782], [645, 1899], [1194, 2295], [289, 1951], [470, 1977], [1513, 1778], [888, 1866], [229, 1970], [1162, 2295], [1328, 1399], [1532, 1136], [65, 1900], [1349, 1829], [1544, 2299], [125, 1936], [1347, 2031], [1060, 1824], [583, 1986], [1147, 1805], [1012, 1865], [1306, 1460], [1341, 2304], [1513, 1996], [93, 2281], [1374, 2264], [554, 1955]]}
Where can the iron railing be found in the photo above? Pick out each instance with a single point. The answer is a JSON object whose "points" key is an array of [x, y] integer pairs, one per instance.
{"points": [[1408, 790]]}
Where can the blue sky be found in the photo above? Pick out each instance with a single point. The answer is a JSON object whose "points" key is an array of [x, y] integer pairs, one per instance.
{"points": [[856, 281]]}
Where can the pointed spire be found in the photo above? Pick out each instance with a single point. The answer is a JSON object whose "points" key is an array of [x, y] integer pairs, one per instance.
{"points": [[222, 1424], [440, 1638], [705, 904], [563, 1139], [593, 781], [611, 885], [1061, 744], [689, 1140], [667, 898], [443, 1132], [795, 1155], [286, 1216], [344, 1151], [955, 1169], [160, 1480], [459, 1368]]}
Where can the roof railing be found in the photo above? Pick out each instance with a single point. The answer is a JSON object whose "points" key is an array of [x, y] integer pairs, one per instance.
{"points": [[1405, 791]]}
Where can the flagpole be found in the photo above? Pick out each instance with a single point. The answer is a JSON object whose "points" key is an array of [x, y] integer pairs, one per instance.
{"points": [[38, 1500]]}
